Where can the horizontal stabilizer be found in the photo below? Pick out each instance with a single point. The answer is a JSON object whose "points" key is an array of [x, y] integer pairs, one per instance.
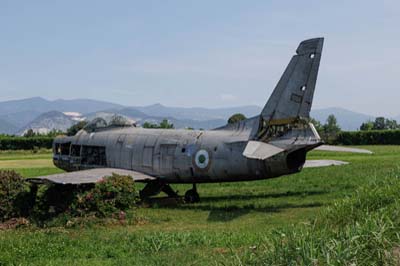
{"points": [[322, 163], [260, 150], [88, 176], [342, 149]]}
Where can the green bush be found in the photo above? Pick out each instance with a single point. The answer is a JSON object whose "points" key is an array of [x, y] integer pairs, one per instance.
{"points": [[373, 137], [25, 143], [13, 195], [110, 196]]}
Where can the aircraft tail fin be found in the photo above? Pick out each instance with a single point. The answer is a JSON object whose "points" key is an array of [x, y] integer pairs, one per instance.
{"points": [[293, 95]]}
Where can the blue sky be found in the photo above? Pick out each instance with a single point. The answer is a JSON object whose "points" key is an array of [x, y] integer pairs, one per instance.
{"points": [[198, 53]]}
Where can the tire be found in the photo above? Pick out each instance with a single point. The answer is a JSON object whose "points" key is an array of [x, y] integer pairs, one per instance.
{"points": [[191, 196]]}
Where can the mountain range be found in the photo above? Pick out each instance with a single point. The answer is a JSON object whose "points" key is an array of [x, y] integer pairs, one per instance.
{"points": [[42, 115]]}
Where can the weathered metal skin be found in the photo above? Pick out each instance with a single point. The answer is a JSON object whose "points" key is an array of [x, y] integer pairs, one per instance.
{"points": [[193, 156], [171, 154]]}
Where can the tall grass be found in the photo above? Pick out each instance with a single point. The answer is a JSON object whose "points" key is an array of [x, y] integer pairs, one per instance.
{"points": [[362, 229]]}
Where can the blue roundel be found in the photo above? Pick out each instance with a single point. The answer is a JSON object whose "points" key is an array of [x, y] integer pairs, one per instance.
{"points": [[202, 159]]}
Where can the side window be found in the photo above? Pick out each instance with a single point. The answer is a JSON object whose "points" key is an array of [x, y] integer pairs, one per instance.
{"points": [[75, 150], [94, 155], [65, 148], [57, 149]]}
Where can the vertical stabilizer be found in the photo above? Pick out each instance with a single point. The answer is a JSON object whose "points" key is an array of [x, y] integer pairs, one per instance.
{"points": [[293, 95]]}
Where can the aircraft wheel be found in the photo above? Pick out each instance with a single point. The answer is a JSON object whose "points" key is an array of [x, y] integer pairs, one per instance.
{"points": [[191, 196]]}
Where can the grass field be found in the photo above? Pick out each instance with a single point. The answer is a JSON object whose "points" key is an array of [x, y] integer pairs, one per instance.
{"points": [[232, 221]]}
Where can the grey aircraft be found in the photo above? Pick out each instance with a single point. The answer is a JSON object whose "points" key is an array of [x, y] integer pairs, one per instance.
{"points": [[271, 144]]}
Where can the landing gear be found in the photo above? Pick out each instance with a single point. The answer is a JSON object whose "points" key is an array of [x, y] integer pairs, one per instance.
{"points": [[155, 187], [191, 196]]}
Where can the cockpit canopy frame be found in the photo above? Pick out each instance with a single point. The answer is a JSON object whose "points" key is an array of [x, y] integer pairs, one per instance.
{"points": [[107, 122]]}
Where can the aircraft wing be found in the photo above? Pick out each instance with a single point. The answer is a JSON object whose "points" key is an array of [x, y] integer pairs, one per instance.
{"points": [[342, 149], [88, 176], [322, 163]]}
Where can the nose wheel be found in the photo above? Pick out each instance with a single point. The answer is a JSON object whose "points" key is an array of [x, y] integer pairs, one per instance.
{"points": [[191, 196]]}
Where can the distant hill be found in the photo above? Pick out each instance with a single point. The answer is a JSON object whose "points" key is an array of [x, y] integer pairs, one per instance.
{"points": [[49, 121], [20, 119], [198, 113], [40, 105], [22, 114], [130, 112], [348, 120], [6, 127], [35, 104], [140, 118]]}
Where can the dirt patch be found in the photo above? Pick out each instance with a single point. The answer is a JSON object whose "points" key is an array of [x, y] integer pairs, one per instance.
{"points": [[396, 255], [14, 223], [221, 250]]}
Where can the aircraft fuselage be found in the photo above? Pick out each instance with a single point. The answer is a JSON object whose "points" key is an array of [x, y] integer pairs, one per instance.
{"points": [[175, 156]]}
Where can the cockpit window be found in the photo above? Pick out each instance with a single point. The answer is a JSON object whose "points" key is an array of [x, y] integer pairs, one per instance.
{"points": [[108, 121]]}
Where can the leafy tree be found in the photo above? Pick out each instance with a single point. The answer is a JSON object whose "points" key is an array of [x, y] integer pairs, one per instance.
{"points": [[163, 124], [55, 133], [331, 129], [369, 125], [391, 124], [166, 124], [75, 128], [236, 118], [149, 125], [331, 126], [30, 133], [379, 123]]}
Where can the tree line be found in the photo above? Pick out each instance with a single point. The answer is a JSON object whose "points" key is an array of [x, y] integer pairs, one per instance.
{"points": [[380, 123]]}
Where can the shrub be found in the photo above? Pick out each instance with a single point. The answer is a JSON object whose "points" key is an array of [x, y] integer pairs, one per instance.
{"points": [[372, 137], [53, 200], [13, 195], [109, 197], [25, 143]]}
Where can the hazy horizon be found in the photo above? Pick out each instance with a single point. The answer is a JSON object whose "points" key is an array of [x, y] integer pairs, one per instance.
{"points": [[194, 106], [198, 54]]}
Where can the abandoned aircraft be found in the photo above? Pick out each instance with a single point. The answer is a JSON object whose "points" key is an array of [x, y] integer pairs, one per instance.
{"points": [[271, 144]]}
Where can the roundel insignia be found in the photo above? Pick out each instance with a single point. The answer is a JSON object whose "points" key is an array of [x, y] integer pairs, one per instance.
{"points": [[202, 159]]}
